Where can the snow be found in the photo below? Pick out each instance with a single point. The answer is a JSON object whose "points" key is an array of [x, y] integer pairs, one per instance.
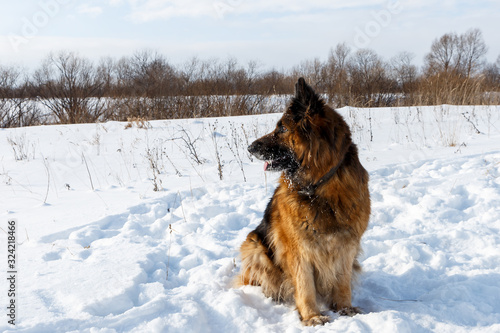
{"points": [[100, 251]]}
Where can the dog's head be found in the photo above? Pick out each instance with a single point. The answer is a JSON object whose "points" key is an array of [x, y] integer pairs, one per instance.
{"points": [[306, 137]]}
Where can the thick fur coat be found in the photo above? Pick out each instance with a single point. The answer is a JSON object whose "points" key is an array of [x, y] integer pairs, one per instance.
{"points": [[305, 249]]}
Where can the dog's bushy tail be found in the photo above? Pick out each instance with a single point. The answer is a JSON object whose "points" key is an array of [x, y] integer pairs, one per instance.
{"points": [[257, 269]]}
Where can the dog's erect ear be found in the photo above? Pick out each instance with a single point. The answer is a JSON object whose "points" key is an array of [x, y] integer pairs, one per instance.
{"points": [[306, 96], [303, 91]]}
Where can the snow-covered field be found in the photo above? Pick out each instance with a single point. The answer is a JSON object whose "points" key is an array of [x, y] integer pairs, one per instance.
{"points": [[101, 251]]}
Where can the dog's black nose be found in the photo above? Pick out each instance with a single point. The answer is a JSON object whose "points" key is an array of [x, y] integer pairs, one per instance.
{"points": [[254, 147]]}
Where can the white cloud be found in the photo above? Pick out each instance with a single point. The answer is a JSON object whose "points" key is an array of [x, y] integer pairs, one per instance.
{"points": [[148, 10], [92, 11]]}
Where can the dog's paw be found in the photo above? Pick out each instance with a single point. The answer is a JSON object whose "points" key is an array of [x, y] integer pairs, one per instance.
{"points": [[350, 311], [316, 320]]}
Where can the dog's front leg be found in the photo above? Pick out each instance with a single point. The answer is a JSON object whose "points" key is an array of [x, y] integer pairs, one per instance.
{"points": [[305, 296], [341, 294]]}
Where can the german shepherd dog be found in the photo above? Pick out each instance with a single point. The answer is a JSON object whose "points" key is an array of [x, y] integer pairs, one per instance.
{"points": [[306, 247]]}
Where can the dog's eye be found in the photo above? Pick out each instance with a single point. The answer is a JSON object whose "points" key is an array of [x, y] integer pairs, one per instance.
{"points": [[282, 129]]}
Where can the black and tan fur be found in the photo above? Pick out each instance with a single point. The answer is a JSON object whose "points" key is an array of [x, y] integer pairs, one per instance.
{"points": [[306, 247]]}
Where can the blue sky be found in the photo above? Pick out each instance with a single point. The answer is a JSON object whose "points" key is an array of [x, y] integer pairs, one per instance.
{"points": [[276, 33]]}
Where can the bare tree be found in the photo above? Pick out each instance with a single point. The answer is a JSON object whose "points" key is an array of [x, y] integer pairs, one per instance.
{"points": [[458, 54], [404, 71], [336, 74], [16, 107], [8, 81], [69, 86], [443, 51], [491, 73], [146, 81], [472, 50], [273, 82], [106, 71], [151, 73], [312, 71], [368, 78]]}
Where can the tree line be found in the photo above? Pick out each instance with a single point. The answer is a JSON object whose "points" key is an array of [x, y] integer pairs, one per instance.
{"points": [[68, 88]]}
